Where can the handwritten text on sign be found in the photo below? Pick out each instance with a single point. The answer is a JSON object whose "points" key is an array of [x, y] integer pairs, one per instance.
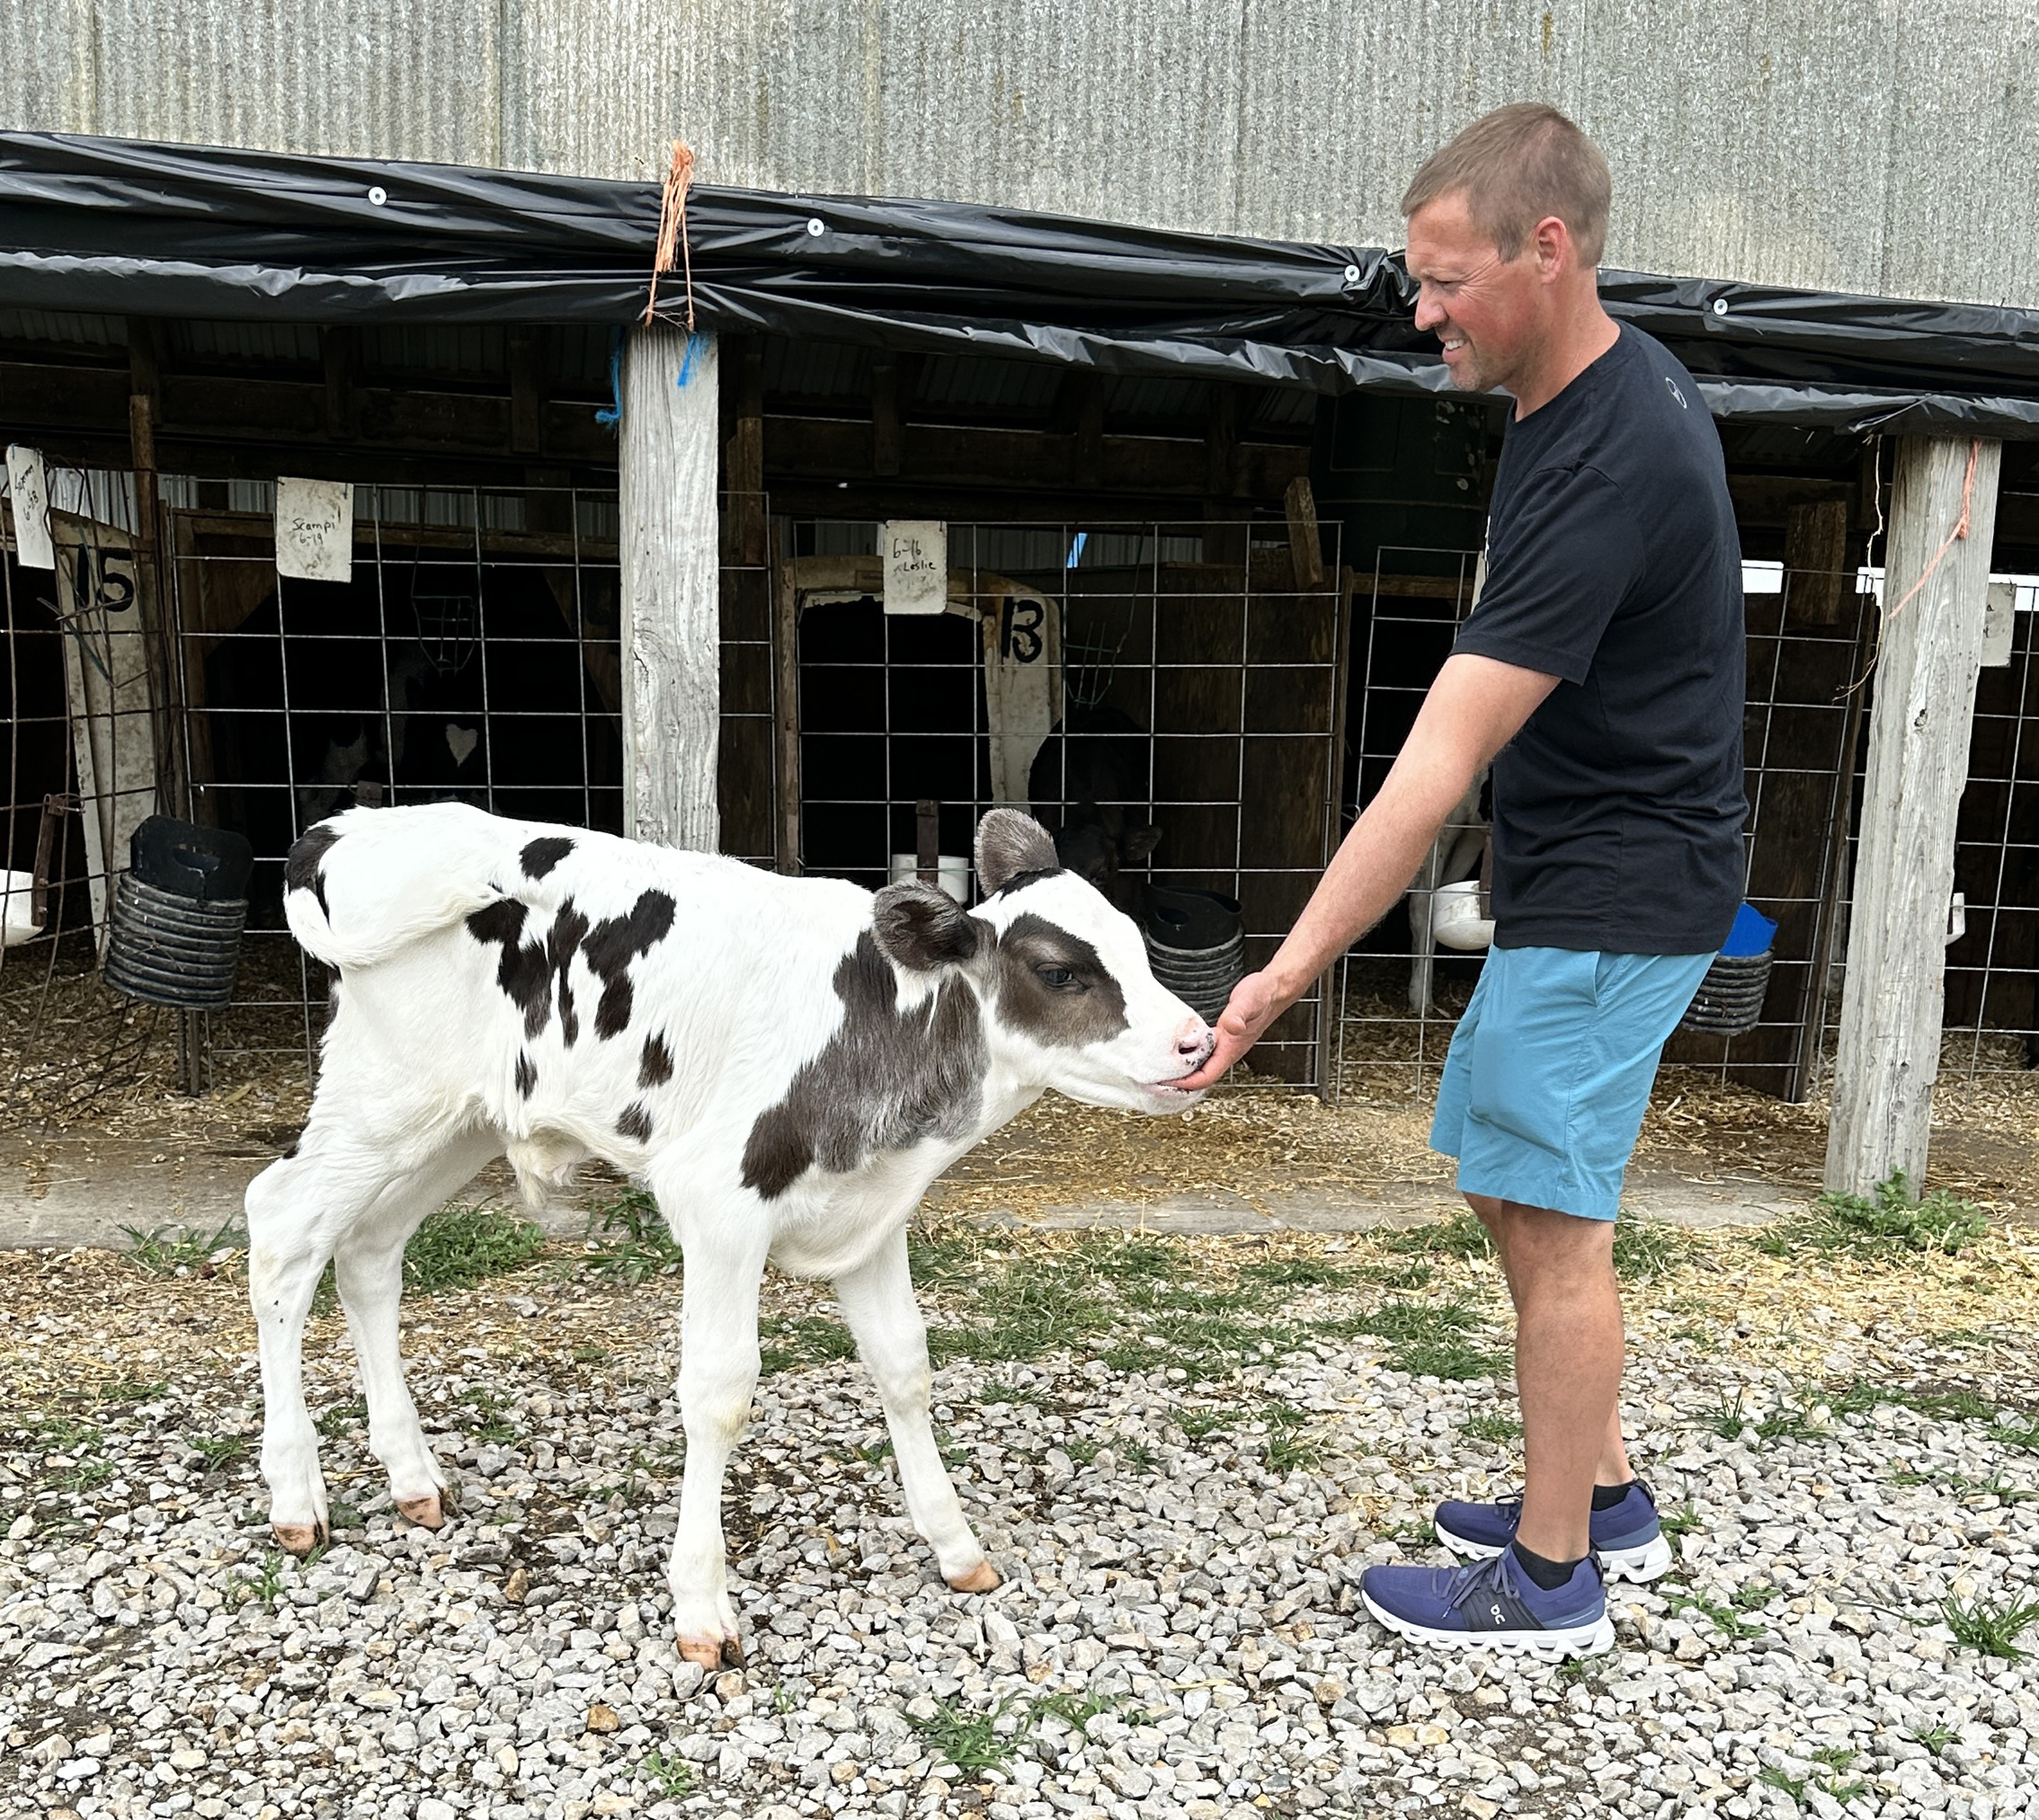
{"points": [[315, 530], [916, 565]]}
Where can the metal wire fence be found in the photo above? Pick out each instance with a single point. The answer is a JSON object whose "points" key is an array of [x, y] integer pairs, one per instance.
{"points": [[1166, 688], [1811, 645]]}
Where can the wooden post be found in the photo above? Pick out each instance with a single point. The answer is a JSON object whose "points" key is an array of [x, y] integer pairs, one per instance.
{"points": [[1934, 588], [785, 692], [672, 613]]}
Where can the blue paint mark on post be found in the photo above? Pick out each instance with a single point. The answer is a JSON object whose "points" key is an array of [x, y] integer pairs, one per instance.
{"points": [[687, 361], [1076, 549], [614, 415]]}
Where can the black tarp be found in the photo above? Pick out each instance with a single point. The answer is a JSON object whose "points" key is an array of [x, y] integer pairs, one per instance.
{"points": [[129, 228]]}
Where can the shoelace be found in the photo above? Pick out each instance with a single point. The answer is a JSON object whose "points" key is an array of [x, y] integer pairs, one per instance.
{"points": [[1498, 1572]]}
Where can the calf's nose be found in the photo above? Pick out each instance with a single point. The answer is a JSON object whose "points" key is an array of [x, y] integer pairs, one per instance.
{"points": [[1194, 1040]]}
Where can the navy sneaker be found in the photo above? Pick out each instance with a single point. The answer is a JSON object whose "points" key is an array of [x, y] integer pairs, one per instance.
{"points": [[1629, 1539], [1491, 1604]]}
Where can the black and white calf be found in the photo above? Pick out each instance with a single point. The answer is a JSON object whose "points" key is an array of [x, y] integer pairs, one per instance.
{"points": [[786, 1063]]}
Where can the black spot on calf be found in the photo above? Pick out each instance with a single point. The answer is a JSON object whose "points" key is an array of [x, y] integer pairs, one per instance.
{"points": [[540, 856], [527, 1076], [886, 1078], [636, 1122], [303, 870], [569, 929], [523, 974], [655, 1066], [612, 944]]}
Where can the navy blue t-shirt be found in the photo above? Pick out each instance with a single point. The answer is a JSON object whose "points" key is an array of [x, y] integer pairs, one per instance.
{"points": [[1613, 564]]}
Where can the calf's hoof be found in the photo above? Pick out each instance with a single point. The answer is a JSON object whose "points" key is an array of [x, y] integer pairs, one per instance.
{"points": [[982, 1578], [712, 1653], [426, 1512], [298, 1539]]}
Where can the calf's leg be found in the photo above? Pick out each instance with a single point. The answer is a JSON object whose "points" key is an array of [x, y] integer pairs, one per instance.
{"points": [[877, 1300], [725, 1261], [368, 1265], [298, 1209]]}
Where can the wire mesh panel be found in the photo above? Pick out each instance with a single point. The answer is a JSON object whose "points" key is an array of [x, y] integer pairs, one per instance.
{"points": [[1992, 1020], [1810, 639], [1172, 716], [85, 684]]}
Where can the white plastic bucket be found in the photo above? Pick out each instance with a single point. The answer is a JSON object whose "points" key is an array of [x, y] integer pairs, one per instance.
{"points": [[17, 908], [1455, 921], [953, 871]]}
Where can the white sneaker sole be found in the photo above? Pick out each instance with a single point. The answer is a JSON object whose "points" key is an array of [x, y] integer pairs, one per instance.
{"points": [[1543, 1645], [1651, 1561]]}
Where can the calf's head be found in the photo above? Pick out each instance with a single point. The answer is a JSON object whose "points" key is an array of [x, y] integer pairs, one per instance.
{"points": [[1069, 1000]]}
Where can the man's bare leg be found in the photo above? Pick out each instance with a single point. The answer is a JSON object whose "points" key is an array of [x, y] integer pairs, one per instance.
{"points": [[1568, 1353], [1614, 1466]]}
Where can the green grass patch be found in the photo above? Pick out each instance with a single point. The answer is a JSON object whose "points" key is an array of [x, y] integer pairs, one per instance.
{"points": [[459, 1247], [1429, 1340], [1888, 1225], [1992, 1629], [341, 1418], [1934, 1737], [132, 1390], [1294, 1273], [485, 1420], [1460, 1236], [672, 1776], [1645, 1249], [182, 1251], [1786, 1421], [628, 1239], [219, 1451], [1407, 1273], [1289, 1449], [787, 1342], [264, 1588], [1499, 1429], [1726, 1619]]}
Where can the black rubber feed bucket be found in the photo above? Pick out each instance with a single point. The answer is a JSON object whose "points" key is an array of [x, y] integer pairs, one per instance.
{"points": [[179, 913], [1729, 1001], [1195, 944]]}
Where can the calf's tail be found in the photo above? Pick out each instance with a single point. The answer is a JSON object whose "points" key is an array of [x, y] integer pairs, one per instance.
{"points": [[358, 887]]}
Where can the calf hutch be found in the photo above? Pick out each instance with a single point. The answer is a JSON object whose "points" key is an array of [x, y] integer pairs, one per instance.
{"points": [[334, 482]]}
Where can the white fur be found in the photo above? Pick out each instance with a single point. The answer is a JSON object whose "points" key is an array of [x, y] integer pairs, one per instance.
{"points": [[419, 1090]]}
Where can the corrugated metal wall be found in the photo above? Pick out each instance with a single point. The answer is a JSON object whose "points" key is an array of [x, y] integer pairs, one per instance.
{"points": [[1882, 146]]}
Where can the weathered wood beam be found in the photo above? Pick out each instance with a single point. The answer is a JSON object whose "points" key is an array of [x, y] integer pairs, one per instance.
{"points": [[1935, 586], [671, 608]]}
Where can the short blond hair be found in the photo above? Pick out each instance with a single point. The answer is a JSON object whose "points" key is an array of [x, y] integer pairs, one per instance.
{"points": [[1516, 165]]}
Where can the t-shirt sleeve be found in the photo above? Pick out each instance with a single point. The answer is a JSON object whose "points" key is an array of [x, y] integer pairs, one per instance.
{"points": [[1571, 553]]}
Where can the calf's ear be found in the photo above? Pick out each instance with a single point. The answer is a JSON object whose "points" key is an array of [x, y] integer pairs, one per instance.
{"points": [[922, 928], [1008, 843], [1138, 847]]}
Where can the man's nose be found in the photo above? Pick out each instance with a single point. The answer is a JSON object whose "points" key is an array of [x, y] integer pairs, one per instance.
{"points": [[1428, 312]]}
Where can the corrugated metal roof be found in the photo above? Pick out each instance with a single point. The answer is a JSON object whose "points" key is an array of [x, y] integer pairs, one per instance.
{"points": [[472, 353], [66, 329], [962, 380], [246, 340], [815, 370], [1791, 141]]}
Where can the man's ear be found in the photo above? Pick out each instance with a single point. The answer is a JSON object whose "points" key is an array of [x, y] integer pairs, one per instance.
{"points": [[1008, 844], [922, 929]]}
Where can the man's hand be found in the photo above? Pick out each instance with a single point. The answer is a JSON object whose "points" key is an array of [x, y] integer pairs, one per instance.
{"points": [[1240, 1025]]}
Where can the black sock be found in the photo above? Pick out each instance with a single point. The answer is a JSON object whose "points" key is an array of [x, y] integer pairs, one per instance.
{"points": [[1548, 1575], [1606, 1497]]}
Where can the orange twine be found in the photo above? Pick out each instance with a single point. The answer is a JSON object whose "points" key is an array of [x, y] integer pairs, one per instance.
{"points": [[1958, 533], [672, 230]]}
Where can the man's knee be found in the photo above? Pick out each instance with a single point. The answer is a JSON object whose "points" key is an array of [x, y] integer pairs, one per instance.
{"points": [[1488, 1210]]}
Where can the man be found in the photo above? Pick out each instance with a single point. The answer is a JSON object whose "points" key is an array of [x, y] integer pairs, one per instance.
{"points": [[1602, 674]]}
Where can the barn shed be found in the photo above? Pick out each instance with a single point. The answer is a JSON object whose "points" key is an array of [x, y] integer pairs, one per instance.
{"points": [[1206, 509]]}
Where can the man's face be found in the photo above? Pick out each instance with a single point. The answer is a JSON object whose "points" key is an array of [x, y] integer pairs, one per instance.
{"points": [[1487, 312]]}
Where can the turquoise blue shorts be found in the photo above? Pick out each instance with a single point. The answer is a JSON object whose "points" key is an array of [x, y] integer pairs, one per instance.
{"points": [[1549, 1070]]}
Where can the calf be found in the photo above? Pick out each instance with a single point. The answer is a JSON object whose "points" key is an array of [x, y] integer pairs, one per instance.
{"points": [[786, 1063], [1081, 785]]}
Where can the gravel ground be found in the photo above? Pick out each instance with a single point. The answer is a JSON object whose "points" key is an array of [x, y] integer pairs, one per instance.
{"points": [[1181, 1456]]}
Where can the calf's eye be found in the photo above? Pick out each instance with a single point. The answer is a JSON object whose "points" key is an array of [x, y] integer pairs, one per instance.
{"points": [[1057, 980]]}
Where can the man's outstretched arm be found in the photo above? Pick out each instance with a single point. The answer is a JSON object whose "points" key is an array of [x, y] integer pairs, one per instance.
{"points": [[1474, 708]]}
